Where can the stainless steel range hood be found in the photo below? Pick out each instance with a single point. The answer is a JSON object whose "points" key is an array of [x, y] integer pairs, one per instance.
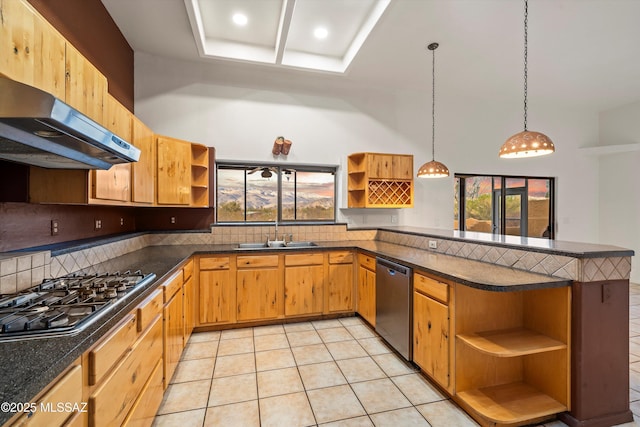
{"points": [[38, 129]]}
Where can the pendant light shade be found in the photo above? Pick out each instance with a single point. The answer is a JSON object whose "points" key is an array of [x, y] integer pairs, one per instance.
{"points": [[526, 143], [433, 169]]}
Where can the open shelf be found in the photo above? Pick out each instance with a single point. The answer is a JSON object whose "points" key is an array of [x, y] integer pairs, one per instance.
{"points": [[511, 403], [199, 175], [511, 342]]}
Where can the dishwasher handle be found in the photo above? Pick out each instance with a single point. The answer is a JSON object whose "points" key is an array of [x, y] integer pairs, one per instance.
{"points": [[393, 268]]}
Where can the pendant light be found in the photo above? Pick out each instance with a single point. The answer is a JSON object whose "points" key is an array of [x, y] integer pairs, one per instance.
{"points": [[526, 143], [433, 169]]}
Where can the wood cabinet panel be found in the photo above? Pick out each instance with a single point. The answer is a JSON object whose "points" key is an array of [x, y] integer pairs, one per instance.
{"points": [[173, 335], [144, 409], [114, 183], [110, 403], [66, 389], [31, 50], [380, 166], [431, 287], [303, 259], [246, 261], [257, 293], [367, 295], [303, 290], [172, 285], [341, 257], [431, 337], [110, 349], [367, 261], [143, 172], [149, 309], [189, 312], [214, 263], [85, 87], [187, 270], [173, 171], [402, 167], [217, 297], [340, 287]]}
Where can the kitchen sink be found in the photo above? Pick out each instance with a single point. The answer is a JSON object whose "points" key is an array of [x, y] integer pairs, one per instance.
{"points": [[278, 245], [252, 245], [301, 244]]}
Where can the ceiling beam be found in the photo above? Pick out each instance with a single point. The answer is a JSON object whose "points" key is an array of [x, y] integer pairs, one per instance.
{"points": [[283, 28]]}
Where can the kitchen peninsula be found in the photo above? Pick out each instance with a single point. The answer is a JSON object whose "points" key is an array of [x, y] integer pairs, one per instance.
{"points": [[582, 290]]}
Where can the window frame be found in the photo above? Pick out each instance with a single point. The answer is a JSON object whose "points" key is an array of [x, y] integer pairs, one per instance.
{"points": [[504, 189], [299, 167]]}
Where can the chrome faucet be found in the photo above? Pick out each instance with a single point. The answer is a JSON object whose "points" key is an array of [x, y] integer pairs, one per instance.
{"points": [[276, 233]]}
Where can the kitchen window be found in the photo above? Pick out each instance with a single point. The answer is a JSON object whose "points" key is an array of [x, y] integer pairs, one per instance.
{"points": [[253, 193], [512, 205]]}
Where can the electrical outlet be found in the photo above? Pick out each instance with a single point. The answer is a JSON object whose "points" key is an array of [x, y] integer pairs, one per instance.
{"points": [[172, 220], [98, 224], [121, 222], [433, 244], [54, 227], [394, 219]]}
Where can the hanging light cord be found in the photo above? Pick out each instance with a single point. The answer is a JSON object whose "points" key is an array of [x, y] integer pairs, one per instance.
{"points": [[526, 20], [433, 104]]}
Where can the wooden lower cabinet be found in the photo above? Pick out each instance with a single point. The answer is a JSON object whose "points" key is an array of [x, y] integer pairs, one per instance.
{"points": [[189, 310], [339, 283], [173, 335], [303, 284], [67, 388], [431, 343], [257, 293], [111, 401], [367, 294], [216, 290], [145, 408]]}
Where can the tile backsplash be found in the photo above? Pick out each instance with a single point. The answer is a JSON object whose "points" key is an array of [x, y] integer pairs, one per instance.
{"points": [[25, 269]]}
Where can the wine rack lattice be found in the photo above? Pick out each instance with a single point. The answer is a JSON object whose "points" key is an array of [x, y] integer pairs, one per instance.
{"points": [[389, 192]]}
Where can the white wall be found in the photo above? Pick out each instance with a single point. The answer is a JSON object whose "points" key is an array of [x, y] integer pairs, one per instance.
{"points": [[619, 177], [241, 114]]}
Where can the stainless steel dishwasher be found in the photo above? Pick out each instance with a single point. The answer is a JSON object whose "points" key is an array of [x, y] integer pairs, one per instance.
{"points": [[393, 305]]}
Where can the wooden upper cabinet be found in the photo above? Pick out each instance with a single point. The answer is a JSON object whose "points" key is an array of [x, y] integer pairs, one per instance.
{"points": [[378, 180], [402, 167], [174, 171], [31, 50], [380, 166], [86, 87], [144, 170], [114, 183]]}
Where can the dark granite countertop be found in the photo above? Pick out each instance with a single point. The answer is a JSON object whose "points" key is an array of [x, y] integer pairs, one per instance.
{"points": [[532, 244], [30, 365]]}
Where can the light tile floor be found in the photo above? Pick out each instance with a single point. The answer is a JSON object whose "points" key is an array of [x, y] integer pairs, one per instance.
{"points": [[322, 373]]}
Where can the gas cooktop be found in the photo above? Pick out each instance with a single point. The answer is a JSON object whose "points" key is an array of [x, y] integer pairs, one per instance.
{"points": [[66, 305]]}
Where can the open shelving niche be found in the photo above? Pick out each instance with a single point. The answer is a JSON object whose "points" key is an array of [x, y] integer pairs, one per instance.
{"points": [[512, 354], [199, 175]]}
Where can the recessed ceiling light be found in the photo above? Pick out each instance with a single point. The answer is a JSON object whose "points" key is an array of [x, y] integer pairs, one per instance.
{"points": [[240, 19], [320, 33]]}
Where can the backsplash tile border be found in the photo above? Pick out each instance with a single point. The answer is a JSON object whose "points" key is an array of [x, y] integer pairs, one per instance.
{"points": [[28, 269]]}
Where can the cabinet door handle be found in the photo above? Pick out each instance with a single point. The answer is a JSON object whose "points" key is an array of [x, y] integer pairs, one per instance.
{"points": [[429, 325]]}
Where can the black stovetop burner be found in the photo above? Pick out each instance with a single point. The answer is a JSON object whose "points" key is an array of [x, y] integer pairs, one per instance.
{"points": [[66, 305]]}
